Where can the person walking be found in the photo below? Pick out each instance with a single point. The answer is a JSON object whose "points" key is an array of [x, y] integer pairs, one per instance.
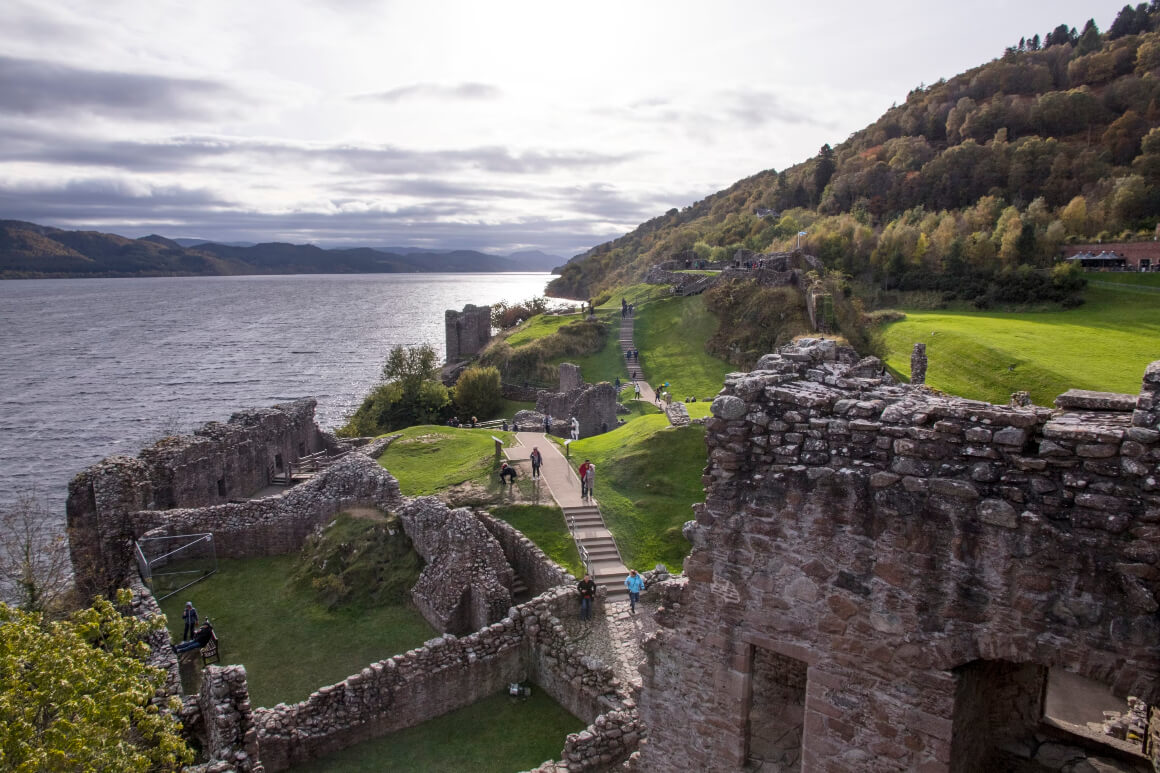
{"points": [[583, 473], [589, 480], [635, 584], [587, 589], [537, 459], [575, 428], [189, 615], [548, 424]]}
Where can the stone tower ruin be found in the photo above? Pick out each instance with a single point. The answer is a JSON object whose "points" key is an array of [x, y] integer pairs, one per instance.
{"points": [[468, 331], [882, 576]]}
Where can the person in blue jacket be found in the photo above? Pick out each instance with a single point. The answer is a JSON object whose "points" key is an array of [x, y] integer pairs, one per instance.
{"points": [[635, 584]]}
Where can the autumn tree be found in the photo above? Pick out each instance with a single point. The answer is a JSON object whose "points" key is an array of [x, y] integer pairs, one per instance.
{"points": [[77, 694], [34, 560]]}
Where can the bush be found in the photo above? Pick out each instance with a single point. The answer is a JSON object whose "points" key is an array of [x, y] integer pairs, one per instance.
{"points": [[478, 392]]}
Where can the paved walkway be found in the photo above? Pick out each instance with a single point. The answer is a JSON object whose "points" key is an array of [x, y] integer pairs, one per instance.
{"points": [[615, 638], [632, 364]]}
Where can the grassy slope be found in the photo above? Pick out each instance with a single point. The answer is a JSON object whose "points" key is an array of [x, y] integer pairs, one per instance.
{"points": [[648, 475], [540, 326], [1103, 345], [494, 735], [429, 458], [263, 622], [544, 526], [671, 335]]}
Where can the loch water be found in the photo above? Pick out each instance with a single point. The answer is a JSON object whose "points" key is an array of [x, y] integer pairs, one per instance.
{"points": [[95, 367]]}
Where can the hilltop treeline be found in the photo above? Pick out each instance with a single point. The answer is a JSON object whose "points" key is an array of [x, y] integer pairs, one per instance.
{"points": [[972, 177]]}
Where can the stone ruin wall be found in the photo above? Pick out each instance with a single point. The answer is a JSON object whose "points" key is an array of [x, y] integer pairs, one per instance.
{"points": [[219, 462], [231, 733], [911, 553], [448, 673], [467, 332], [593, 404], [570, 377], [538, 571]]}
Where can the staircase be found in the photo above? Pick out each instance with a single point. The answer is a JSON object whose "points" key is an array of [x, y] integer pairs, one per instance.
{"points": [[519, 588], [632, 363], [597, 549]]}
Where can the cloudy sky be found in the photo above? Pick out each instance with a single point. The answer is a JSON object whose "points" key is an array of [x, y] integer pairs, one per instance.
{"points": [[490, 125]]}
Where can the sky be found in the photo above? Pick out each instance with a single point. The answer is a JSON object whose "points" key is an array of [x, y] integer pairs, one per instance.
{"points": [[498, 126]]}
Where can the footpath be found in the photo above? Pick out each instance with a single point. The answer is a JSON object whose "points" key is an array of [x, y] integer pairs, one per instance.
{"points": [[593, 539]]}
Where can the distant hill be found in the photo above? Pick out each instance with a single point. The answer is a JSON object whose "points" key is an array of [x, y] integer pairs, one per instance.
{"points": [[1056, 140], [28, 250]]}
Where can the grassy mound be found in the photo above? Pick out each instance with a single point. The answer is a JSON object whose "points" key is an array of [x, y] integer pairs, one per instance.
{"points": [[495, 735], [428, 459], [362, 559], [544, 526], [289, 642], [1103, 345], [533, 351], [648, 476]]}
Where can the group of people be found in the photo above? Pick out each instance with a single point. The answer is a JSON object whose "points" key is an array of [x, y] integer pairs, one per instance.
{"points": [[507, 473], [634, 583], [626, 308], [455, 422], [630, 354]]}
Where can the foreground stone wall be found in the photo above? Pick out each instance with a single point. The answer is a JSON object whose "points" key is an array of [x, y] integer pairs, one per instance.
{"points": [[448, 673], [889, 540]]}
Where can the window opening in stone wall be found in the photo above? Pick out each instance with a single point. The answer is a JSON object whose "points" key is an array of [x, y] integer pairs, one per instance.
{"points": [[997, 709], [1089, 709], [221, 487], [302, 449], [278, 462], [777, 704], [172, 563]]}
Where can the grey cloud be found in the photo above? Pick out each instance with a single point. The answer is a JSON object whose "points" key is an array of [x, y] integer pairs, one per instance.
{"points": [[750, 107], [38, 87], [19, 143], [436, 91]]}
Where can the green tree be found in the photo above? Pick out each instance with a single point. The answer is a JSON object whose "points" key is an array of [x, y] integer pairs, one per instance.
{"points": [[478, 392], [410, 367], [77, 694], [1089, 39]]}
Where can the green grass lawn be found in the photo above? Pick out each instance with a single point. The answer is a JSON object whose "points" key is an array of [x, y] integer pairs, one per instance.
{"points": [[289, 643], [1123, 278], [604, 365], [648, 476], [1103, 345], [540, 326], [671, 335], [427, 459], [544, 526], [495, 735]]}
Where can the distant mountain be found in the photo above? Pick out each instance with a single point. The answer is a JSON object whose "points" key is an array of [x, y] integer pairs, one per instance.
{"points": [[28, 250]]}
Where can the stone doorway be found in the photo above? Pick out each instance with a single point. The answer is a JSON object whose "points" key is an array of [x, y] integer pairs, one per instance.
{"points": [[997, 709], [777, 703]]}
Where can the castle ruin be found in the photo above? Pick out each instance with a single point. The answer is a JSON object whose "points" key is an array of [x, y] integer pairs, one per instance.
{"points": [[467, 332], [882, 576]]}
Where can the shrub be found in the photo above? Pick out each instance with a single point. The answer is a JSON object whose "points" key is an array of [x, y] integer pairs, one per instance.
{"points": [[478, 392]]}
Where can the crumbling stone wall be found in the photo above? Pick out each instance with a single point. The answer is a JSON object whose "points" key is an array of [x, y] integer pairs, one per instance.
{"points": [[231, 735], [448, 673], [538, 572], [593, 404], [467, 331], [219, 462], [570, 377], [886, 536]]}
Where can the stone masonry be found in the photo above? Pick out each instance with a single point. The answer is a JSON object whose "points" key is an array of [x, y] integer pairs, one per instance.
{"points": [[593, 404], [467, 331], [887, 573], [214, 465]]}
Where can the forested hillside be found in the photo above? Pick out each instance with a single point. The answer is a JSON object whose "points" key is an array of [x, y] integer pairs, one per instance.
{"points": [[967, 187]]}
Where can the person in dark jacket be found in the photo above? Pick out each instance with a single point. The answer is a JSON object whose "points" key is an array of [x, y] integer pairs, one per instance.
{"points": [[189, 615], [587, 589], [200, 639]]}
